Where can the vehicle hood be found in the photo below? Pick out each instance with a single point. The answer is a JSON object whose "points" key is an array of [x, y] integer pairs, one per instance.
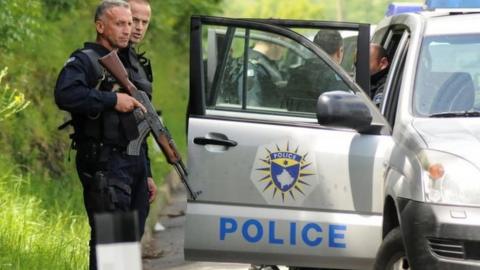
{"points": [[458, 136]]}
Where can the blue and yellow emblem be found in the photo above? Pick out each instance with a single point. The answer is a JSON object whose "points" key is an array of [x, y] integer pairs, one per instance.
{"points": [[284, 172]]}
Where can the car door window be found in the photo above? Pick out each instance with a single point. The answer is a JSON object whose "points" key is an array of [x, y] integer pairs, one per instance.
{"points": [[249, 70], [389, 107], [392, 40]]}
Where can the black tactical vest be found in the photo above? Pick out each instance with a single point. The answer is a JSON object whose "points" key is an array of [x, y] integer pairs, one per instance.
{"points": [[109, 127]]}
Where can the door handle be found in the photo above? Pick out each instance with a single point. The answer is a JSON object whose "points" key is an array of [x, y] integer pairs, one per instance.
{"points": [[223, 142]]}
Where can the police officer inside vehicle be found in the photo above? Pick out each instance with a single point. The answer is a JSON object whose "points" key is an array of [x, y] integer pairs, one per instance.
{"points": [[379, 66], [314, 77], [265, 79], [103, 122]]}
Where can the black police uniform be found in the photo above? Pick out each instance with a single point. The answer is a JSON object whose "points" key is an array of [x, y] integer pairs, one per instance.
{"points": [[111, 179], [140, 74], [377, 85], [308, 81], [139, 69], [265, 86]]}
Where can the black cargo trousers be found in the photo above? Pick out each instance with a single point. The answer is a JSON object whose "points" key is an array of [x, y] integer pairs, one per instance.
{"points": [[112, 182]]}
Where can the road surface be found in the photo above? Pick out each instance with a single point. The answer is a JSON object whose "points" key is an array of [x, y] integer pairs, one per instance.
{"points": [[169, 242]]}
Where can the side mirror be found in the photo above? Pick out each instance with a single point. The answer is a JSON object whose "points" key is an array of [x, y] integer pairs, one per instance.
{"points": [[343, 109]]}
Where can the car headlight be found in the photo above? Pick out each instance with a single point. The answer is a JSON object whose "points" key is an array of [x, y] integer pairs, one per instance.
{"points": [[449, 179]]}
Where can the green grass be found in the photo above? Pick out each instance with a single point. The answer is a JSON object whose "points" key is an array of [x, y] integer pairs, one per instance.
{"points": [[42, 223]]}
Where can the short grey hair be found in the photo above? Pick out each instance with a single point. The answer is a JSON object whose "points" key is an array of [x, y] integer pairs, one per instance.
{"points": [[107, 5]]}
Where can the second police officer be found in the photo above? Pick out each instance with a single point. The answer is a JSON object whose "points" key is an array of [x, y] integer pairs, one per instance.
{"points": [[138, 66]]}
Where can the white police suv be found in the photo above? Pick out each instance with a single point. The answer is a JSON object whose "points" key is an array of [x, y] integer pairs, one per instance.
{"points": [[294, 165]]}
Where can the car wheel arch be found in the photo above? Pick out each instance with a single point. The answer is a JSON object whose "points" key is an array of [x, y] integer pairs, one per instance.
{"points": [[390, 216]]}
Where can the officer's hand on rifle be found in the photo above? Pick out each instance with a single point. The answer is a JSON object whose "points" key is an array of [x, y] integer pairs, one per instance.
{"points": [[126, 103]]}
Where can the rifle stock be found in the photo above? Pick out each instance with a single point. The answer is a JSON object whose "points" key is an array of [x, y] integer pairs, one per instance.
{"points": [[115, 67], [167, 149]]}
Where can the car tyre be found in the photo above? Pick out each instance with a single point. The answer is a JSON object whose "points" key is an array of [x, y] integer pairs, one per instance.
{"points": [[391, 255]]}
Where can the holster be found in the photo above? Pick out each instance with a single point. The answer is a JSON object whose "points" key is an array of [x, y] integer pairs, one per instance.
{"points": [[106, 198], [107, 191]]}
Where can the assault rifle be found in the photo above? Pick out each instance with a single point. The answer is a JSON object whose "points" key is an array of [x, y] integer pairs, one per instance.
{"points": [[148, 121]]}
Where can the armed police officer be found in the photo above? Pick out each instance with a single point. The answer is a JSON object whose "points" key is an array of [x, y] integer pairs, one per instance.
{"points": [[103, 123]]}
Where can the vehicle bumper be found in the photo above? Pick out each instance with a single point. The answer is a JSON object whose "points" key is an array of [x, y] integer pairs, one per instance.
{"points": [[441, 236]]}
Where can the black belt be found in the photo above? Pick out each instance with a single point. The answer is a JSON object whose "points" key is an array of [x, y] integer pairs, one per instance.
{"points": [[100, 150]]}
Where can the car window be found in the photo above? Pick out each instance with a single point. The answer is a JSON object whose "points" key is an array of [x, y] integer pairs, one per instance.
{"points": [[392, 41], [256, 71], [448, 75], [349, 46], [397, 69]]}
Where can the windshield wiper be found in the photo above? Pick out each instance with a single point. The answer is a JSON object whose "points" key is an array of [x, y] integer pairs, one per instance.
{"points": [[457, 114]]}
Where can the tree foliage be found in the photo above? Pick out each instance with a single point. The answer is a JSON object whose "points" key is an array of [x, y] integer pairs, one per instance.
{"points": [[55, 8], [19, 22], [370, 11], [172, 18], [284, 9]]}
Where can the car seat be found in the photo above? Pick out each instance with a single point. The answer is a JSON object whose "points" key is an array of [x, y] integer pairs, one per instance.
{"points": [[456, 94]]}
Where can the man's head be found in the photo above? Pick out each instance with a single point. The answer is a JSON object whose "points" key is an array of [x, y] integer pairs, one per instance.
{"points": [[141, 13], [113, 21], [331, 42], [378, 59]]}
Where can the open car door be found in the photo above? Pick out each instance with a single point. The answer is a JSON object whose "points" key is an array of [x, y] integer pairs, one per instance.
{"points": [[275, 186]]}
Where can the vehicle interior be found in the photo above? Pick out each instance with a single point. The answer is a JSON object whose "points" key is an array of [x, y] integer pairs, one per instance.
{"points": [[290, 81], [448, 75]]}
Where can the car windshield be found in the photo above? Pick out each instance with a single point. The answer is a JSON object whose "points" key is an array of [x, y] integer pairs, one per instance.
{"points": [[448, 77]]}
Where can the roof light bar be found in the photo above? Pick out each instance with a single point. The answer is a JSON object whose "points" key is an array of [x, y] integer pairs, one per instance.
{"points": [[465, 4], [397, 8]]}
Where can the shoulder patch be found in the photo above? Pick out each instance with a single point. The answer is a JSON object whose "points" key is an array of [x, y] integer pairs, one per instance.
{"points": [[70, 60], [378, 99]]}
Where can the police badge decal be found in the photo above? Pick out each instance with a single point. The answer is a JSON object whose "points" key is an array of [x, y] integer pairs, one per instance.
{"points": [[283, 172]]}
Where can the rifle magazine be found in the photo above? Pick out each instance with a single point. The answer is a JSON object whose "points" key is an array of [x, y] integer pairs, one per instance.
{"points": [[134, 146]]}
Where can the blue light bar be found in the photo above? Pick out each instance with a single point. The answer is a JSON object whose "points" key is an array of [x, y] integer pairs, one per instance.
{"points": [[397, 8], [433, 4]]}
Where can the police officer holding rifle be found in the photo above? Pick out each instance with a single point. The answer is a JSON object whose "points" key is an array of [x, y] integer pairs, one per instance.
{"points": [[104, 123]]}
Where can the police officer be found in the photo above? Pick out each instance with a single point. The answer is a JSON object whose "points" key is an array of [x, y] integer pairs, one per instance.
{"points": [[264, 87], [138, 66], [379, 67], [103, 122], [315, 77], [140, 71]]}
